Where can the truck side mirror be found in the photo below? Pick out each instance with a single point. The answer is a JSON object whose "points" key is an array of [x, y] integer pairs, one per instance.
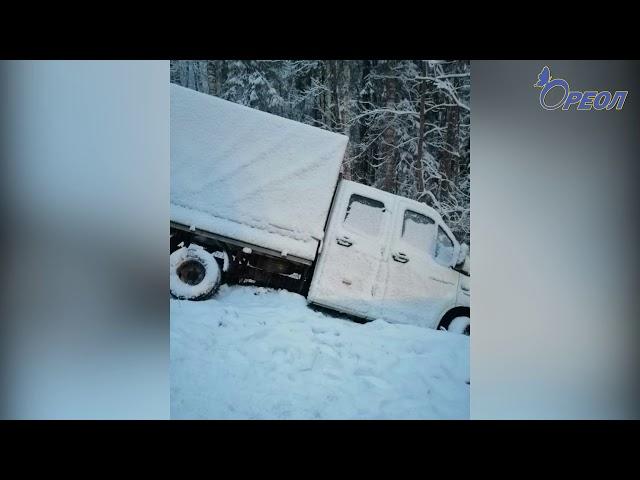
{"points": [[463, 254], [464, 259]]}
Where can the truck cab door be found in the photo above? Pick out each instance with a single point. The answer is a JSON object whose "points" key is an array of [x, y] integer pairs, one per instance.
{"points": [[421, 284], [348, 274]]}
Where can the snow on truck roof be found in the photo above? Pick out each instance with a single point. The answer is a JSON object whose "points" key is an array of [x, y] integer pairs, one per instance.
{"points": [[250, 175]]}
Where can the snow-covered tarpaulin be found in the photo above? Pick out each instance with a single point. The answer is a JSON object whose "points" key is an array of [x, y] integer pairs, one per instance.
{"points": [[250, 175]]}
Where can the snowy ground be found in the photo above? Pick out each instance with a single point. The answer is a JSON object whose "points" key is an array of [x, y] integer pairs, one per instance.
{"points": [[264, 354]]}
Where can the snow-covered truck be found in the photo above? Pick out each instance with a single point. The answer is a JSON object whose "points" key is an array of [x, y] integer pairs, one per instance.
{"points": [[258, 199]]}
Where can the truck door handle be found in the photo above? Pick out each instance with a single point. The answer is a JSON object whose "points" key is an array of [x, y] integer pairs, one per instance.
{"points": [[400, 257], [344, 241]]}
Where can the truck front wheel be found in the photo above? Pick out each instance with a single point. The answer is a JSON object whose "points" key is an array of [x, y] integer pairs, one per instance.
{"points": [[460, 325], [194, 273], [457, 320]]}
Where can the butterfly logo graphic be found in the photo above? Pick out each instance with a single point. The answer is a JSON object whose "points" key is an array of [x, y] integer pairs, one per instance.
{"points": [[544, 77]]}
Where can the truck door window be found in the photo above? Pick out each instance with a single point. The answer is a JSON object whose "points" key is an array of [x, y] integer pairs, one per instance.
{"points": [[364, 215], [419, 231], [444, 248]]}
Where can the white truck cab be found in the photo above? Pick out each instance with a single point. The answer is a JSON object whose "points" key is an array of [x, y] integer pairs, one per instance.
{"points": [[385, 256]]}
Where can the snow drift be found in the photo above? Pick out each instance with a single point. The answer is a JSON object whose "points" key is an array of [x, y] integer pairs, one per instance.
{"points": [[255, 353], [250, 175]]}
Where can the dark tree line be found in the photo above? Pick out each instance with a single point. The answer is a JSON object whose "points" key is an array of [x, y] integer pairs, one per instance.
{"points": [[408, 120]]}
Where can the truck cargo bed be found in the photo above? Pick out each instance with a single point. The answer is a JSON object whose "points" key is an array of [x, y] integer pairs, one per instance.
{"points": [[249, 175]]}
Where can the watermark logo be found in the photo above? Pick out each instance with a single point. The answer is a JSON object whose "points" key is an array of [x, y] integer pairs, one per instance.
{"points": [[588, 100]]}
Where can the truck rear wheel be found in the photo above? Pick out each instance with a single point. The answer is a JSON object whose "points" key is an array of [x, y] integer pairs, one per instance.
{"points": [[194, 273]]}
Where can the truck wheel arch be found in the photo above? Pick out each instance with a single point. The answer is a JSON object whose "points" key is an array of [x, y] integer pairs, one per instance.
{"points": [[453, 313]]}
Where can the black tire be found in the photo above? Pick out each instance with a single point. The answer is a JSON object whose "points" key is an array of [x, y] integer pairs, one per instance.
{"points": [[194, 273], [461, 324], [451, 323]]}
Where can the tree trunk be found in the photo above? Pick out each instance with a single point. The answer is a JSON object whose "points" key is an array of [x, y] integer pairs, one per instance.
{"points": [[419, 178], [363, 170], [337, 122], [449, 158], [389, 134], [338, 125]]}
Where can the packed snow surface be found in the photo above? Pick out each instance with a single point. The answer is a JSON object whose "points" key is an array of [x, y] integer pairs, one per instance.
{"points": [[250, 175], [255, 353]]}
